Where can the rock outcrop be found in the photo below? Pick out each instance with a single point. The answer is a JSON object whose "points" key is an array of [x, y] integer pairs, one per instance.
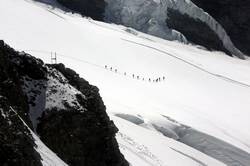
{"points": [[16, 143], [87, 136], [64, 109], [195, 31], [233, 16], [90, 8]]}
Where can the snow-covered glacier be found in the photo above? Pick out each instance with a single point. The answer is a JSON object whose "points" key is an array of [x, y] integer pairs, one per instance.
{"points": [[204, 91], [150, 16]]}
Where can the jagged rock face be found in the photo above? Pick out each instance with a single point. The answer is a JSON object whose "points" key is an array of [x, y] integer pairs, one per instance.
{"points": [[91, 8], [12, 66], [16, 143], [234, 16], [195, 31], [64, 109], [81, 137]]}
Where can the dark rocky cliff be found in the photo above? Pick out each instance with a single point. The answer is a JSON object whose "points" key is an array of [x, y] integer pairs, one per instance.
{"points": [[79, 131], [90, 8], [234, 16], [195, 31], [16, 142], [88, 137]]}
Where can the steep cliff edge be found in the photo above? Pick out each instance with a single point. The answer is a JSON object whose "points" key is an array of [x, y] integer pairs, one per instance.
{"points": [[64, 109]]}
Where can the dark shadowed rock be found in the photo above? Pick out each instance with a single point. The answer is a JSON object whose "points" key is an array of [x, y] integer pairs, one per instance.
{"points": [[83, 136], [234, 16], [16, 142], [90, 8], [195, 30], [12, 66]]}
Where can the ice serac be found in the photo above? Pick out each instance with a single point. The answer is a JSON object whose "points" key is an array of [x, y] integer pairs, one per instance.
{"points": [[154, 17], [150, 17]]}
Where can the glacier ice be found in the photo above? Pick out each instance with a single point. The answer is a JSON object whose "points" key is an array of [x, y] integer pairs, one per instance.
{"points": [[150, 16]]}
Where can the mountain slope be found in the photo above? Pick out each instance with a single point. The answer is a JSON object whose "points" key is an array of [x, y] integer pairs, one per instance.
{"points": [[207, 91], [28, 148], [19, 145], [153, 17], [169, 19], [67, 113]]}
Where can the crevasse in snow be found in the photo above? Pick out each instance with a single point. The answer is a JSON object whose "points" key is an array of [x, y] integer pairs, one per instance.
{"points": [[150, 16], [202, 100]]}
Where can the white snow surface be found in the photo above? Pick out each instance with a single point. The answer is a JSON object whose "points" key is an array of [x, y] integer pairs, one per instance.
{"points": [[207, 91], [149, 148]]}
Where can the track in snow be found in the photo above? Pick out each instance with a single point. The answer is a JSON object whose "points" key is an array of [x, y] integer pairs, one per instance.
{"points": [[140, 151], [190, 157], [107, 68], [191, 64]]}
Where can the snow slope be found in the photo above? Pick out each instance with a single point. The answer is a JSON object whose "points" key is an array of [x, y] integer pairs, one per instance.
{"points": [[207, 91]]}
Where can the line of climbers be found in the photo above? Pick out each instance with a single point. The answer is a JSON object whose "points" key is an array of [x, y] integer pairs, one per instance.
{"points": [[159, 79], [53, 56]]}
